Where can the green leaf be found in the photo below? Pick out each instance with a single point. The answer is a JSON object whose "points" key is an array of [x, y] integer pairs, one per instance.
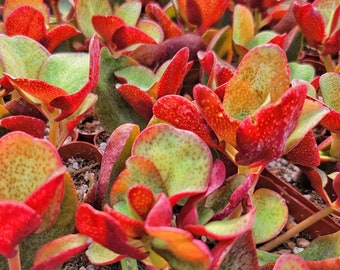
{"points": [[100, 255], [59, 70], [85, 9], [301, 71], [271, 214], [139, 76], [266, 257], [182, 158], [21, 56], [260, 38], [243, 25], [327, 246], [329, 85], [111, 107], [129, 12]]}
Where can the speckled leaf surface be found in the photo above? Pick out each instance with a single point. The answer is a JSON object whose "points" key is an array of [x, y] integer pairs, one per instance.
{"points": [[301, 71], [261, 137], [31, 125], [17, 221], [58, 251], [139, 76], [271, 214], [243, 25], [140, 199], [183, 114], [26, 164], [262, 73], [183, 160], [129, 12], [152, 29], [22, 56], [105, 26], [85, 9]]}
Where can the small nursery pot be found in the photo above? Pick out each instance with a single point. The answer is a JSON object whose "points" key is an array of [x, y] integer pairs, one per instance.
{"points": [[83, 163]]}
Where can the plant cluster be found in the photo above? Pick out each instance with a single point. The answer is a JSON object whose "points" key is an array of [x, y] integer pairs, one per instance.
{"points": [[198, 98]]}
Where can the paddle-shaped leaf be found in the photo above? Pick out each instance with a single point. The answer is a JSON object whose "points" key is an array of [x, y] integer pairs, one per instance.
{"points": [[290, 261], [183, 160], [60, 250], [140, 199], [102, 228], [261, 138], [17, 221]]}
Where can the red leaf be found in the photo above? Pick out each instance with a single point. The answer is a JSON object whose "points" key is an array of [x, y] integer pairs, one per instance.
{"points": [[205, 15], [183, 114], [279, 40], [137, 98], [170, 29], [58, 251], [172, 78], [105, 26], [70, 103], [57, 35], [160, 214], [306, 153], [128, 35], [332, 44], [105, 230], [331, 121], [17, 221], [311, 23], [212, 109], [31, 125], [261, 137], [133, 228], [290, 261], [27, 21], [141, 199]]}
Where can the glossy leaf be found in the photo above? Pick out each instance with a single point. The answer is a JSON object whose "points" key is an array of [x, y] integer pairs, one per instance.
{"points": [[31, 125], [311, 23], [183, 114], [271, 215], [262, 73], [177, 154], [210, 105], [261, 137], [17, 221], [102, 228], [19, 155], [27, 21], [85, 9], [58, 251]]}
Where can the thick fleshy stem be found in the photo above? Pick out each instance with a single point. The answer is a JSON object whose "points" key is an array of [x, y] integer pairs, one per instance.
{"points": [[14, 263], [334, 150], [297, 229], [327, 61], [54, 129]]}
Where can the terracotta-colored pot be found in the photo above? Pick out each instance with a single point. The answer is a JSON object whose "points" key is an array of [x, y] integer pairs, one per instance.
{"points": [[85, 151], [100, 140], [299, 206]]}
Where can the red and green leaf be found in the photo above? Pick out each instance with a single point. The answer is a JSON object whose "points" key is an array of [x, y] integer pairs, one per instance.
{"points": [[31, 125], [290, 261]]}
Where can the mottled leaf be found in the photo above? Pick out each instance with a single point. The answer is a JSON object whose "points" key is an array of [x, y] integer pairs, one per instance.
{"points": [[243, 25], [140, 199]]}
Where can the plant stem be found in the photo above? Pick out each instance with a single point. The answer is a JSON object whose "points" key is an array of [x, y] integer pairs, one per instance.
{"points": [[297, 229], [54, 129], [327, 61], [129, 264], [14, 263], [334, 150]]}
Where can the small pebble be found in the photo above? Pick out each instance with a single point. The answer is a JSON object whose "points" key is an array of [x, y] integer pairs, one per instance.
{"points": [[297, 250], [290, 245], [75, 165], [302, 242], [283, 251], [290, 224]]}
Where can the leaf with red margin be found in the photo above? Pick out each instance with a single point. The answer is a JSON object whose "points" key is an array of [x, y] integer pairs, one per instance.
{"points": [[306, 153], [225, 229], [103, 228], [182, 158], [290, 261], [133, 228], [117, 150], [137, 98], [213, 112], [46, 200], [203, 15], [279, 40], [140, 199], [173, 76], [128, 35], [70, 103], [261, 138], [180, 242], [183, 114], [31, 125], [27, 21], [155, 12], [311, 23], [17, 221], [57, 35], [105, 26], [55, 253]]}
